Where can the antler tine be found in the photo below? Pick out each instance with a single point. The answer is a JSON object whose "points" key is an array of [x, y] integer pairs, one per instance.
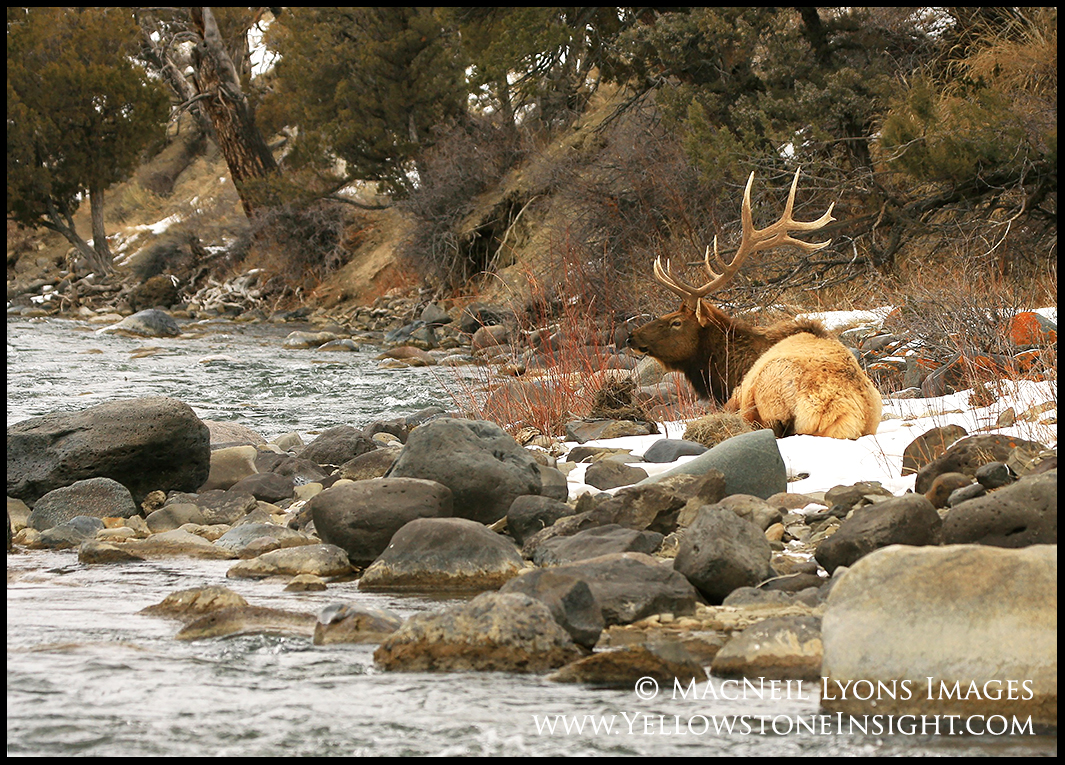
{"points": [[664, 274], [755, 240]]}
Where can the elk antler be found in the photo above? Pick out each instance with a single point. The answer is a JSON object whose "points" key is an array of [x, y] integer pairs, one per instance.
{"points": [[754, 240]]}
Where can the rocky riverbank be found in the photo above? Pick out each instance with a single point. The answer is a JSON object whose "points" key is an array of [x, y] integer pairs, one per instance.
{"points": [[712, 563]]}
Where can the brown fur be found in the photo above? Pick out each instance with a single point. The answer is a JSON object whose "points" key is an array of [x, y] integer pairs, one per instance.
{"points": [[793, 376]]}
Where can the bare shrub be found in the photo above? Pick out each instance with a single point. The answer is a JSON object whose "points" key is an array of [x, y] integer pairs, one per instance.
{"points": [[298, 245], [462, 163]]}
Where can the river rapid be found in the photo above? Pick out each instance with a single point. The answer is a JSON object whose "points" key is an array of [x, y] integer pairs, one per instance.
{"points": [[88, 675]]}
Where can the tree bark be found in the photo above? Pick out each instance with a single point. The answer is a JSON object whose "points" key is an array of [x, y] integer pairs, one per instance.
{"points": [[104, 259], [64, 225], [232, 117]]}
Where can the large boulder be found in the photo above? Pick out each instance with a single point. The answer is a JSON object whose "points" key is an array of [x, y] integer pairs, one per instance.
{"points": [[750, 462], [630, 586], [361, 517], [907, 520], [1019, 515], [444, 555], [493, 632], [484, 467], [338, 445], [93, 497], [956, 630], [721, 552], [144, 443], [570, 599], [969, 454]]}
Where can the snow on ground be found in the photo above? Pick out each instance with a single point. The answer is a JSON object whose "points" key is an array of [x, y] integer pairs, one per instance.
{"points": [[832, 462]]}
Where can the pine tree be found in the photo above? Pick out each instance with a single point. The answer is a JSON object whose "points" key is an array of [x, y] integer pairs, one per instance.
{"points": [[80, 113]]}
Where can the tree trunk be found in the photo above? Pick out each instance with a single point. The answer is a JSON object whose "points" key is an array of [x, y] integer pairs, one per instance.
{"points": [[103, 260], [64, 225], [233, 119]]}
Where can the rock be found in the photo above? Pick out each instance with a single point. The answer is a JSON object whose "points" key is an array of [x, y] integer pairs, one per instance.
{"points": [[238, 538], [70, 533], [170, 544], [145, 444], [150, 322], [906, 520], [969, 454], [779, 648], [630, 586], [965, 493], [570, 599], [930, 446], [994, 475], [607, 474], [1021, 514], [306, 583], [434, 314], [92, 552], [488, 337], [982, 618], [320, 560], [228, 466], [362, 517], [93, 497], [751, 464], [443, 555], [338, 445], [529, 514], [671, 449], [232, 434], [194, 602], [594, 542], [583, 431], [484, 467], [173, 517], [944, 485], [352, 623], [265, 487], [373, 464], [665, 661], [721, 552], [248, 620], [752, 509], [502, 632], [227, 507], [300, 339]]}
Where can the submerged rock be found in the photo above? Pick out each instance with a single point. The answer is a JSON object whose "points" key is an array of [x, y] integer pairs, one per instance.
{"points": [[248, 620]]}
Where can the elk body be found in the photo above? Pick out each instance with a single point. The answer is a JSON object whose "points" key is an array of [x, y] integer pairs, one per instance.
{"points": [[793, 376]]}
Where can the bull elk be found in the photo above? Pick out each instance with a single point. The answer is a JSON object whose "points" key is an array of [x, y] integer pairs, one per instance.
{"points": [[793, 376]]}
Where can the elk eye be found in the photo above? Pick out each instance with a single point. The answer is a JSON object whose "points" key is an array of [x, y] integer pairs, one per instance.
{"points": [[676, 323]]}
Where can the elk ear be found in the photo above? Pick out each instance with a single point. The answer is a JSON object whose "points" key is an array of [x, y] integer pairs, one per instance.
{"points": [[702, 312]]}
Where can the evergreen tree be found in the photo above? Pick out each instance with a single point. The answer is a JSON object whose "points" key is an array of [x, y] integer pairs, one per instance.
{"points": [[80, 113], [368, 86]]}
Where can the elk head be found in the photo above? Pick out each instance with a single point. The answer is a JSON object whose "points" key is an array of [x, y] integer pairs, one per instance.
{"points": [[713, 349]]}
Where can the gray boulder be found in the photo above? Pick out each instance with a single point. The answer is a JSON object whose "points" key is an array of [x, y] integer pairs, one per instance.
{"points": [[320, 560], [93, 497], [529, 514], [750, 462], [779, 648], [444, 555], [145, 444], [484, 467], [906, 520], [150, 322], [721, 552], [1021, 514], [338, 445], [494, 632], [956, 626], [570, 599], [594, 542], [362, 517]]}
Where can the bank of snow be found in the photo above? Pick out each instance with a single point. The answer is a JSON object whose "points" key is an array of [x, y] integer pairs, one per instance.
{"points": [[818, 464]]}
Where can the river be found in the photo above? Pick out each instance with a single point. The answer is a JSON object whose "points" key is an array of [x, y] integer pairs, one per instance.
{"points": [[88, 675]]}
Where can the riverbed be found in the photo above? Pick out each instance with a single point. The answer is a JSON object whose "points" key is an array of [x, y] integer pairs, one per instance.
{"points": [[89, 675]]}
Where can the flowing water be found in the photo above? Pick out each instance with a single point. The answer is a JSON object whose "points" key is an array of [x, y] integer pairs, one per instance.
{"points": [[88, 675]]}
